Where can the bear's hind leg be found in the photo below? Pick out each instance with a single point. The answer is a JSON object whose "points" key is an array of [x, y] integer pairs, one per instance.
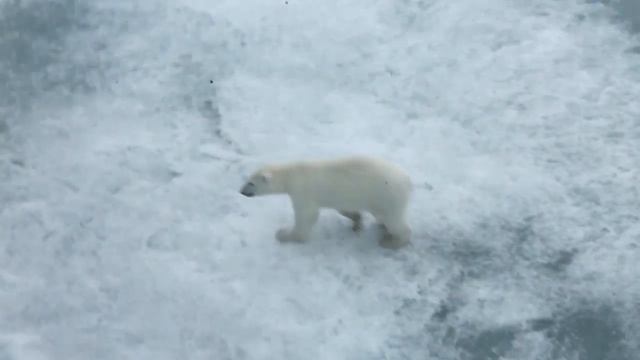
{"points": [[355, 217], [305, 217]]}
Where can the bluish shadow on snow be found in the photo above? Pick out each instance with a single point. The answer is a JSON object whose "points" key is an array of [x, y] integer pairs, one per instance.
{"points": [[561, 260], [489, 344], [32, 40], [584, 333], [589, 334], [628, 11]]}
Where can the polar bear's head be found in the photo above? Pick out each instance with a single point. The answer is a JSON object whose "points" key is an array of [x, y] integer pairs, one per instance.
{"points": [[260, 183]]}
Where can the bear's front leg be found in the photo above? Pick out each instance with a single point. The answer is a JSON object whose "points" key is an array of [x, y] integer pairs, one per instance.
{"points": [[395, 235], [356, 219], [306, 216]]}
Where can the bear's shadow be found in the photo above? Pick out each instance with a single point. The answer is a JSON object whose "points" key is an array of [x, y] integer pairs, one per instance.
{"points": [[334, 233]]}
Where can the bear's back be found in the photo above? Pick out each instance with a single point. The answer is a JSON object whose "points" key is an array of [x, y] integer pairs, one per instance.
{"points": [[355, 183]]}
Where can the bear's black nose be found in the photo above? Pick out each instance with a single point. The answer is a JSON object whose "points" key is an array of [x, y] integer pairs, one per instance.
{"points": [[246, 193], [248, 190]]}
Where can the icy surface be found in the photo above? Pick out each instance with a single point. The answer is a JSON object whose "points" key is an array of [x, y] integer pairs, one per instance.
{"points": [[127, 128]]}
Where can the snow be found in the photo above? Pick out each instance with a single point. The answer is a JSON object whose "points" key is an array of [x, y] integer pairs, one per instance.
{"points": [[127, 128]]}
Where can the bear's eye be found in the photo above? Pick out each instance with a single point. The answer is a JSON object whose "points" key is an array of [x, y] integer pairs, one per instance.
{"points": [[250, 184]]}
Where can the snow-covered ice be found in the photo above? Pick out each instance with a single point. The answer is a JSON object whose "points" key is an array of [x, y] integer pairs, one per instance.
{"points": [[127, 128]]}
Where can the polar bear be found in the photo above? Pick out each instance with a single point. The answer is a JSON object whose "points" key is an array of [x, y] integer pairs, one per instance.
{"points": [[349, 185]]}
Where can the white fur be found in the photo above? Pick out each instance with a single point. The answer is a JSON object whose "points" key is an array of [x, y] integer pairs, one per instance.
{"points": [[350, 185]]}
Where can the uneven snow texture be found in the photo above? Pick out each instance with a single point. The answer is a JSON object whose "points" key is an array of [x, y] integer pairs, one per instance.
{"points": [[127, 128]]}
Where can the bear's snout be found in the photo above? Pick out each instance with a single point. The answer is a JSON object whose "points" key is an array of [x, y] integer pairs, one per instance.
{"points": [[246, 193], [248, 190]]}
